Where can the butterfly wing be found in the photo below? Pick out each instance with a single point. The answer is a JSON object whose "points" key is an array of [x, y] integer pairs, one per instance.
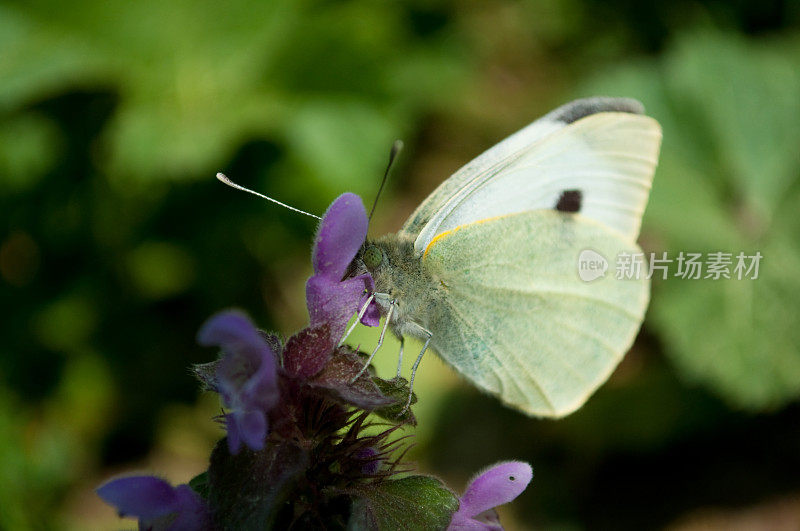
{"points": [[608, 158], [493, 159], [515, 317]]}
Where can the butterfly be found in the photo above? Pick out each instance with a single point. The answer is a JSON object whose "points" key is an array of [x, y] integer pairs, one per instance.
{"points": [[486, 271]]}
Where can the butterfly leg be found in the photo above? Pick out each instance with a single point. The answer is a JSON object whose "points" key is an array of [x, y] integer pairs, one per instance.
{"points": [[392, 304], [400, 356], [414, 368], [358, 319]]}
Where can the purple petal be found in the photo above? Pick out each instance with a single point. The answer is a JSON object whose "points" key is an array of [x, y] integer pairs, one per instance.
{"points": [[260, 390], [229, 328], [252, 428], [462, 523], [498, 485], [145, 497], [372, 317], [369, 456], [193, 513], [490, 520], [247, 372], [330, 299], [234, 436], [341, 233], [333, 302]]}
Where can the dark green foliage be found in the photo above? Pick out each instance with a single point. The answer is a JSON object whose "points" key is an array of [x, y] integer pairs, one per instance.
{"points": [[728, 180], [116, 242], [414, 502]]}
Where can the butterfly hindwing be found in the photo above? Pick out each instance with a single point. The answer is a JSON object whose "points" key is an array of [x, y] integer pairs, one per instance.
{"points": [[519, 322]]}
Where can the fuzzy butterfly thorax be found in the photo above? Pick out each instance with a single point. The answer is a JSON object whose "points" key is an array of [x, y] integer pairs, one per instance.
{"points": [[400, 275]]}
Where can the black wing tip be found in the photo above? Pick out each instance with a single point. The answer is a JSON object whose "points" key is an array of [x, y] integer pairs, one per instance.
{"points": [[575, 110], [569, 201]]}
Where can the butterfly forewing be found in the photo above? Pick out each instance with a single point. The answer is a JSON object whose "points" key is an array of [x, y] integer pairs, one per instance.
{"points": [[609, 158], [502, 153]]}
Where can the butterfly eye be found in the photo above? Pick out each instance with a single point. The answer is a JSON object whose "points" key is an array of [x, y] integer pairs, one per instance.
{"points": [[372, 257]]}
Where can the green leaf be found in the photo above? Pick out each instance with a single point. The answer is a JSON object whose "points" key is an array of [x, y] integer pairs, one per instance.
{"points": [[745, 95], [28, 147], [199, 484], [159, 270], [249, 489], [197, 79], [726, 182], [737, 336], [340, 142], [396, 389], [337, 376], [414, 502]]}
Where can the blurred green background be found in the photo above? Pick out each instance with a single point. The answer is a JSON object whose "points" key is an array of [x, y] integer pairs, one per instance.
{"points": [[117, 242]]}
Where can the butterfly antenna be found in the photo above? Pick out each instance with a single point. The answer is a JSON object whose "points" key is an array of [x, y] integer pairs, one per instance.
{"points": [[396, 148], [224, 179]]}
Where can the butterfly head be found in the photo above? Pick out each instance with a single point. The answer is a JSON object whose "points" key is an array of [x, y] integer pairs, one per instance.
{"points": [[390, 261], [372, 258]]}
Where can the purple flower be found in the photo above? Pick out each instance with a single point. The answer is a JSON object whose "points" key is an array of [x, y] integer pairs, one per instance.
{"points": [[157, 504], [371, 459], [246, 377], [330, 297], [495, 486]]}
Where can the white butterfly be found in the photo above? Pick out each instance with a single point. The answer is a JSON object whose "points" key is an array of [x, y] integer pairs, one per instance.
{"points": [[485, 271]]}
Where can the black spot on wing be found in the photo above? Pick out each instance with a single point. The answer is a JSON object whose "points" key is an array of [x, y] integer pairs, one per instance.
{"points": [[574, 111], [569, 201]]}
